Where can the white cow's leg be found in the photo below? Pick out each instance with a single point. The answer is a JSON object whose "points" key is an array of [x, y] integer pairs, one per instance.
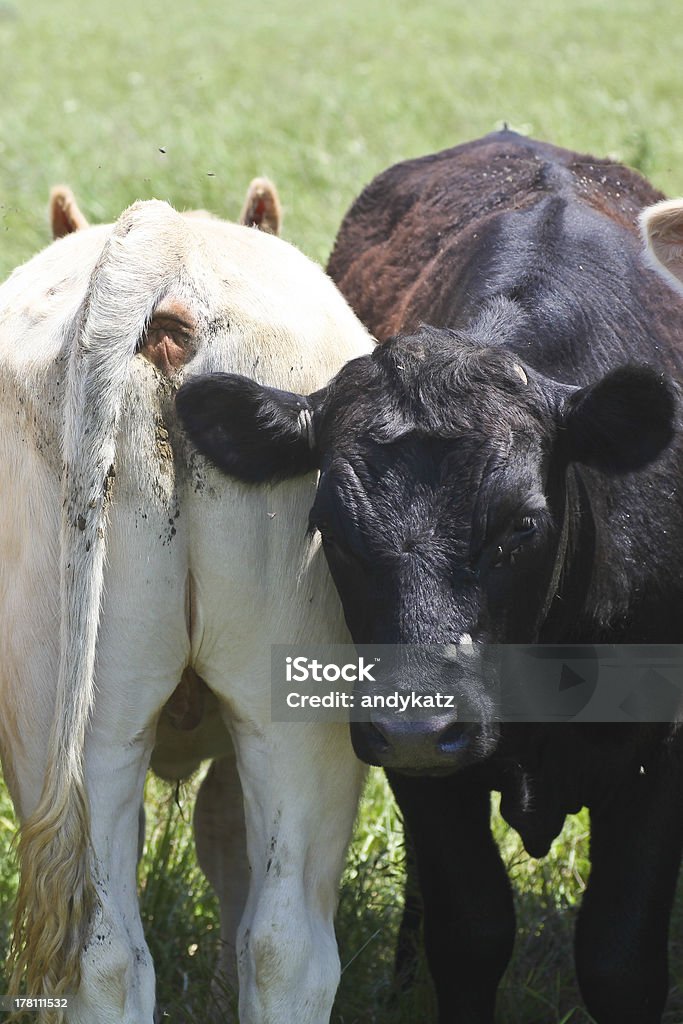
{"points": [[301, 781], [301, 786], [117, 974], [220, 838], [134, 681]]}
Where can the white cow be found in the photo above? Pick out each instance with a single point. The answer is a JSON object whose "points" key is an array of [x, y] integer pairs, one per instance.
{"points": [[128, 565]]}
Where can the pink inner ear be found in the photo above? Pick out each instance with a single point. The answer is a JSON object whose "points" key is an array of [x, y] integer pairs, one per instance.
{"points": [[259, 211], [262, 207], [65, 217], [62, 223], [672, 234], [667, 228]]}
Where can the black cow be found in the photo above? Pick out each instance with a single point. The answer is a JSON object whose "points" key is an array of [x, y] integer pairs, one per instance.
{"points": [[510, 474]]}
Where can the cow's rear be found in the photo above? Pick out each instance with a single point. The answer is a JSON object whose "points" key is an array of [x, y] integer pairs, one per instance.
{"points": [[129, 562]]}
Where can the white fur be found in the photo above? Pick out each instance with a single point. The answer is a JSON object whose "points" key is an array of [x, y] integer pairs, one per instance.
{"points": [[106, 594]]}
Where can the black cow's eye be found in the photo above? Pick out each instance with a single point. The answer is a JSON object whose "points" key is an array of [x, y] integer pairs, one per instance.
{"points": [[524, 529], [498, 557], [506, 553]]}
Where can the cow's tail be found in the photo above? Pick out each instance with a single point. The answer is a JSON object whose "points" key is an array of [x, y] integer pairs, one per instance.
{"points": [[57, 892]]}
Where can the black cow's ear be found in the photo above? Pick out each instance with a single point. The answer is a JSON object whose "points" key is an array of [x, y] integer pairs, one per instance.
{"points": [[252, 432], [622, 422]]}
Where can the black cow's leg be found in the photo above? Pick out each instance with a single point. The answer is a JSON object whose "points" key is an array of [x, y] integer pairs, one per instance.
{"points": [[622, 930], [407, 943], [469, 918]]}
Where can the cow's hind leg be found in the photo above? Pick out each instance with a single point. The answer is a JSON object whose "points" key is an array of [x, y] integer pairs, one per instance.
{"points": [[622, 930], [117, 974], [133, 685], [116, 970], [301, 786], [220, 838], [469, 920]]}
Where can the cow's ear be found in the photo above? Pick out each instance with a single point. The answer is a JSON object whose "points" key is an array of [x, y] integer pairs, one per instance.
{"points": [[622, 422], [262, 207], [252, 432], [662, 228], [65, 216]]}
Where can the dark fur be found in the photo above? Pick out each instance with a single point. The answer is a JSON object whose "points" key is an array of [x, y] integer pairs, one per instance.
{"points": [[553, 234], [230, 434], [435, 455]]}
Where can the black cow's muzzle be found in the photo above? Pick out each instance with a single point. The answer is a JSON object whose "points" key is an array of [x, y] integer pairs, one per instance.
{"points": [[434, 746], [427, 713]]}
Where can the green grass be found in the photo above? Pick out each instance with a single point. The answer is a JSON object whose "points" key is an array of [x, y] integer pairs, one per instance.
{"points": [[321, 97]]}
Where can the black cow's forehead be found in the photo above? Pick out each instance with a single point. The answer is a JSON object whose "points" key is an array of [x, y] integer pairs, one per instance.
{"points": [[430, 444], [423, 492], [436, 384]]}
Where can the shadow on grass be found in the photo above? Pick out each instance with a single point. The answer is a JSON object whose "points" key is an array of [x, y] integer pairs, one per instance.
{"points": [[539, 986]]}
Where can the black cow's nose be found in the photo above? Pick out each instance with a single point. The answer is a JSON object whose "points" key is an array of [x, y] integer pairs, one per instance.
{"points": [[453, 740], [433, 744]]}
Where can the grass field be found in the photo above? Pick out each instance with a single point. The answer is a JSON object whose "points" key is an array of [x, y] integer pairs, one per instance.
{"points": [[187, 102]]}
